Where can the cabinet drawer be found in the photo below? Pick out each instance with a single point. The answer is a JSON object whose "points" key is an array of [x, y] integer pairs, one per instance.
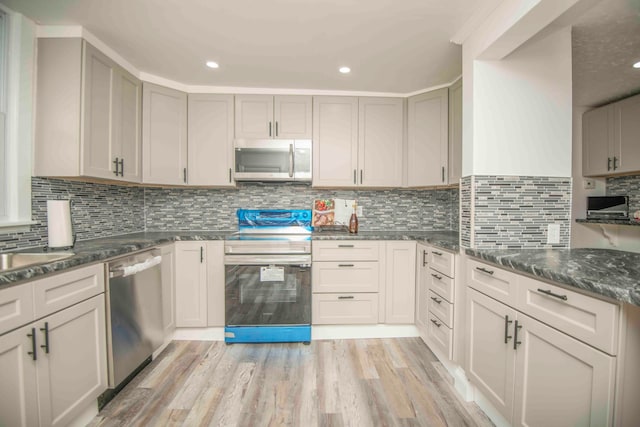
{"points": [[588, 319], [63, 290], [440, 336], [441, 308], [442, 261], [16, 307], [441, 284], [359, 276], [345, 250], [492, 281], [345, 309]]}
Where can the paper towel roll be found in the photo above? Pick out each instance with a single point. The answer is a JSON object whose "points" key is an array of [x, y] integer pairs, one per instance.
{"points": [[59, 223]]}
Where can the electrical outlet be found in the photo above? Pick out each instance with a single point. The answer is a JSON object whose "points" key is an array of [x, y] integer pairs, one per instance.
{"points": [[553, 234], [359, 211], [589, 184]]}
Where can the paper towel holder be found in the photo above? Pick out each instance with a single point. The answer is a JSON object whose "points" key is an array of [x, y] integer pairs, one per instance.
{"points": [[59, 225]]}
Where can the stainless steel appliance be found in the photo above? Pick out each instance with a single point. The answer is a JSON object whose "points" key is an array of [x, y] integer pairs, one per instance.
{"points": [[268, 277], [272, 160], [134, 313], [608, 207]]}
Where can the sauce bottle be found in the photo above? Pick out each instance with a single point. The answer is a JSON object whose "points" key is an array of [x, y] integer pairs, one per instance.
{"points": [[353, 221]]}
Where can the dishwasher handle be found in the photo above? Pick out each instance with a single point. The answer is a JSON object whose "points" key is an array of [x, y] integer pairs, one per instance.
{"points": [[124, 270]]}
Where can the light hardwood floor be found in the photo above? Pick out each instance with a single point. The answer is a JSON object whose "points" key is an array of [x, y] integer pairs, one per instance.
{"points": [[373, 382]]}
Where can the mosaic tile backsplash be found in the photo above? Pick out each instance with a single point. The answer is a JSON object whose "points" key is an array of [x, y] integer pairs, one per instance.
{"points": [[513, 211], [100, 210], [626, 186], [466, 210]]}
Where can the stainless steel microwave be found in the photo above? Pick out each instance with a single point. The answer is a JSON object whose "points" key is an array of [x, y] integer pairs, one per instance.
{"points": [[272, 160]]}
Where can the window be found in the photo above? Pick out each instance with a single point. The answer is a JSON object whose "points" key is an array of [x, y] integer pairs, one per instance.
{"points": [[17, 67]]}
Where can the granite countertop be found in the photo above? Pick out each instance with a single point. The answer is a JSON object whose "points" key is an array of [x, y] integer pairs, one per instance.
{"points": [[609, 221], [606, 272], [96, 250]]}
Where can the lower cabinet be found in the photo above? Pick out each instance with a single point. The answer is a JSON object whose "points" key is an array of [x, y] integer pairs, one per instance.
{"points": [[533, 374], [199, 283], [344, 308], [168, 267], [54, 368], [400, 281]]}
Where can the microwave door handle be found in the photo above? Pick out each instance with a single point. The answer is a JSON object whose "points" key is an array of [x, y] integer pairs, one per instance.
{"points": [[290, 160]]}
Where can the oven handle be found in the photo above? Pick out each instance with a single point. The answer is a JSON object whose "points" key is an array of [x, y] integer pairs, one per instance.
{"points": [[299, 260]]}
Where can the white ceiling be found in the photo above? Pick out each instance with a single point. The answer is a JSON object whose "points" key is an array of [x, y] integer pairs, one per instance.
{"points": [[395, 46], [605, 44]]}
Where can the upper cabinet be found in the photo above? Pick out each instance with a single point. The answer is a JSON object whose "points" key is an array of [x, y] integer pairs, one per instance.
{"points": [[210, 140], [610, 138], [88, 112], [278, 117], [357, 142], [455, 132], [164, 135], [428, 139]]}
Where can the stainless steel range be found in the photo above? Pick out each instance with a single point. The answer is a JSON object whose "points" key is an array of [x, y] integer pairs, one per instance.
{"points": [[268, 277]]}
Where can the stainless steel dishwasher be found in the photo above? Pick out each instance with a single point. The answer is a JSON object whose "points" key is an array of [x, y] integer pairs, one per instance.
{"points": [[134, 313]]}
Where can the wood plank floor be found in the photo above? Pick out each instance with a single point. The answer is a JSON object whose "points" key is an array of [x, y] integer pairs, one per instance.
{"points": [[373, 382]]}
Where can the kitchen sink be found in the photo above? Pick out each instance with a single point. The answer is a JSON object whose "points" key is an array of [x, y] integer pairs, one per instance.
{"points": [[12, 261]]}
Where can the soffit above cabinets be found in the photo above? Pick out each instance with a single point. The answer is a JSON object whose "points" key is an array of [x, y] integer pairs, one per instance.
{"points": [[391, 46], [605, 45]]}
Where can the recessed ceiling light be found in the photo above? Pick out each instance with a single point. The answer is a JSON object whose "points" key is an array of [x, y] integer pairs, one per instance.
{"points": [[345, 70], [636, 65], [212, 64]]}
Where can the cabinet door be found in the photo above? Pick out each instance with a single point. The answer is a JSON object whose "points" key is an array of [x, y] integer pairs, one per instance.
{"points": [[559, 380], [127, 129], [191, 284], [627, 135], [19, 393], [164, 135], [455, 132], [74, 371], [380, 146], [422, 285], [400, 289], [335, 141], [215, 283], [597, 137], [490, 355], [292, 116], [428, 134], [254, 116], [168, 289], [97, 148], [210, 139]]}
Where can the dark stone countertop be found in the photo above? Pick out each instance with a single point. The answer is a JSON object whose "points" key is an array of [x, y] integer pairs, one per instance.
{"points": [[606, 272], [608, 221], [102, 249]]}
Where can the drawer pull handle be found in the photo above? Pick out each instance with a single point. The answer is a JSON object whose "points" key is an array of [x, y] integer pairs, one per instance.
{"points": [[438, 301], [33, 353], [346, 297], [345, 246], [551, 294], [45, 346], [507, 337], [484, 270], [436, 253], [516, 343], [436, 276], [346, 265], [435, 322]]}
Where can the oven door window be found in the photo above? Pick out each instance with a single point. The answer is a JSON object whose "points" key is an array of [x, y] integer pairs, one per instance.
{"points": [[267, 295]]}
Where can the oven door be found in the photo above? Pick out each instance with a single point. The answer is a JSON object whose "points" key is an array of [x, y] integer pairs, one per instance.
{"points": [[267, 290]]}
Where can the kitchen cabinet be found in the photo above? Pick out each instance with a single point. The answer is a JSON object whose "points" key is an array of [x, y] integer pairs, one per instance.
{"points": [[210, 140], [278, 117], [455, 132], [191, 284], [422, 289], [610, 138], [164, 135], [54, 367], [346, 282], [88, 113], [400, 282], [441, 297], [168, 275], [215, 283], [541, 354], [428, 139], [380, 142]]}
